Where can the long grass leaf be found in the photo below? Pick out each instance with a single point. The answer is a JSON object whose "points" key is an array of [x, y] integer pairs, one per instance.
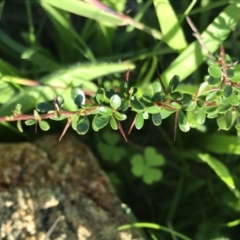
{"points": [[77, 75], [192, 57], [172, 32]]}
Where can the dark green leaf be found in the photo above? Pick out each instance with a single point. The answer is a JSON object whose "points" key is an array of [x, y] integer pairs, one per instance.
{"points": [[200, 103], [100, 95], [44, 125], [100, 121], [147, 97], [230, 73], [78, 96], [83, 125], [215, 71], [211, 109], [115, 101], [123, 87], [157, 119], [213, 81], [44, 107], [137, 105], [139, 121], [124, 105], [183, 122], [173, 84], [224, 107], [60, 101], [227, 92], [176, 95]]}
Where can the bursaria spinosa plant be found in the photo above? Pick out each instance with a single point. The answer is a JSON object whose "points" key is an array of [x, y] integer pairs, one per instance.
{"points": [[217, 97]]}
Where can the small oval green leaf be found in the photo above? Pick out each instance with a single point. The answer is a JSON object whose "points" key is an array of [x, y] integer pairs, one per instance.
{"points": [[78, 96], [173, 84], [100, 121], [215, 71], [30, 122], [233, 100], [113, 123], [227, 92], [137, 105], [100, 95], [153, 109], [201, 116], [115, 101], [183, 122], [139, 121], [120, 116], [44, 107], [83, 125], [157, 119], [105, 111], [213, 81], [44, 125]]}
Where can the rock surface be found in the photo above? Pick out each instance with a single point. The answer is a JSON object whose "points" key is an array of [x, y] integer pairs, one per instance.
{"points": [[56, 190]]}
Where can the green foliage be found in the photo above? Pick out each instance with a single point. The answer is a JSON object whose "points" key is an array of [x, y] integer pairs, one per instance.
{"points": [[109, 148], [145, 166], [69, 71]]}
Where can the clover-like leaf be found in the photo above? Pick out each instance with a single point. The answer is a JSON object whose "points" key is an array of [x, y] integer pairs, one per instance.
{"points": [[152, 175], [144, 165], [138, 165], [152, 158], [83, 125], [44, 125], [215, 71], [115, 101], [78, 96]]}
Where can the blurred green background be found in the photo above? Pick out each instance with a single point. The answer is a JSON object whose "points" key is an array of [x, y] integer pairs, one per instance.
{"points": [[188, 187]]}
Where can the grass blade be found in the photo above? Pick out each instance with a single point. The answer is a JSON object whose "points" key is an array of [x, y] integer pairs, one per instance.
{"points": [[172, 32]]}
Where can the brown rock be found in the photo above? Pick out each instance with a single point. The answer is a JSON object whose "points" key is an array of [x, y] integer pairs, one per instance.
{"points": [[58, 189]]}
